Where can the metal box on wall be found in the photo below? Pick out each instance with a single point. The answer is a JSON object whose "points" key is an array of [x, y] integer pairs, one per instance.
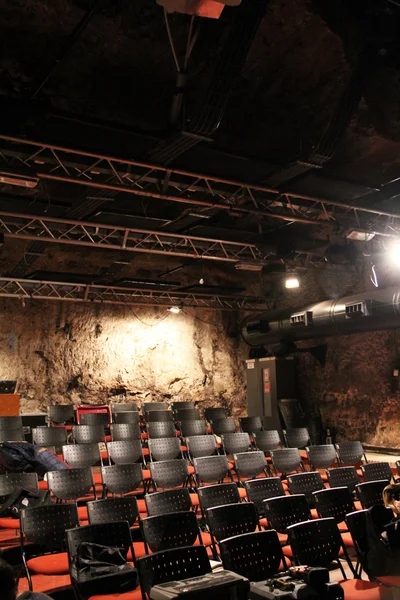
{"points": [[268, 380]]}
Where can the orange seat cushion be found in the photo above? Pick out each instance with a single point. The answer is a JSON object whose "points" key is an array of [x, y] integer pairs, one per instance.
{"points": [[264, 522], [97, 479], [303, 455], [53, 564], [282, 538], [142, 505], [347, 540], [146, 474], [139, 549], [342, 527], [358, 505], [43, 485], [206, 538], [242, 493], [135, 595], [195, 499], [83, 513], [146, 451], [144, 436], [393, 580], [8, 523], [191, 470], [184, 448], [104, 454], [359, 589], [314, 513]]}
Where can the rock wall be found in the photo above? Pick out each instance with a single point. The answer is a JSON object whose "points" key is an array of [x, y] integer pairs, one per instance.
{"points": [[88, 354]]}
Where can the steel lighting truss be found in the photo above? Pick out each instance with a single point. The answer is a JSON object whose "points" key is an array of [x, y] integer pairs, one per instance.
{"points": [[27, 289], [57, 163], [110, 237]]}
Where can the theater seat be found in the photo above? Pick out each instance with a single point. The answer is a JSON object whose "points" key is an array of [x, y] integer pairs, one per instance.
{"points": [[146, 474], [43, 485], [242, 493], [83, 513], [314, 513], [135, 595], [53, 564], [358, 505], [347, 540], [8, 523], [359, 589], [139, 550], [142, 505], [97, 479], [264, 522], [195, 499]]}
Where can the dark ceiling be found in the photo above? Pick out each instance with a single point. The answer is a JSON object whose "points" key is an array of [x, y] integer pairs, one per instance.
{"points": [[300, 99]]}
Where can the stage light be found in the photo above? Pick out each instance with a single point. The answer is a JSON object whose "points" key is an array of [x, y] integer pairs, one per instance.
{"points": [[175, 309], [394, 253], [292, 281]]}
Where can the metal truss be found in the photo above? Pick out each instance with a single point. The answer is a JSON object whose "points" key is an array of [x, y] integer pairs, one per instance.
{"points": [[93, 170], [29, 289], [110, 237]]}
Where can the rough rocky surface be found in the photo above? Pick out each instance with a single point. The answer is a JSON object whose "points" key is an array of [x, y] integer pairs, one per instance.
{"points": [[89, 354]]}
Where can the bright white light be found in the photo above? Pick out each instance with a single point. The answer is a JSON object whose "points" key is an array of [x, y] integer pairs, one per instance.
{"points": [[394, 253], [291, 282], [174, 309]]}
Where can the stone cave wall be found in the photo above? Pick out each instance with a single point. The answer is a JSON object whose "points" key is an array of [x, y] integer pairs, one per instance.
{"points": [[75, 353]]}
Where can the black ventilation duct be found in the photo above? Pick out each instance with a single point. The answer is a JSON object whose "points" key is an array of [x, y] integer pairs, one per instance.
{"points": [[369, 311]]}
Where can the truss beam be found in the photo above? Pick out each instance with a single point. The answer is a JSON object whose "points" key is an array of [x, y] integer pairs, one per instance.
{"points": [[110, 237], [93, 170], [29, 289]]}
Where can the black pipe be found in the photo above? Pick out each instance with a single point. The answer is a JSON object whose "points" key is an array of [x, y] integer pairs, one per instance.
{"points": [[369, 311]]}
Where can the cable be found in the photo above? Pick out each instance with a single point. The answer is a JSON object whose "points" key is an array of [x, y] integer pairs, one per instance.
{"points": [[141, 320], [171, 42]]}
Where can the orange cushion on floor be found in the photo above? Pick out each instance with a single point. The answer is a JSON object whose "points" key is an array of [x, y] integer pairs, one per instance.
{"points": [[8, 523], [53, 564], [135, 595], [359, 589], [43, 485]]}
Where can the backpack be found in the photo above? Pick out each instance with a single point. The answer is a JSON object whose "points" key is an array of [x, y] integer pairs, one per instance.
{"points": [[20, 499], [98, 569]]}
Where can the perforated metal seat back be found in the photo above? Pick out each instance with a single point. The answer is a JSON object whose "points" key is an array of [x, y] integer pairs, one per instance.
{"points": [[70, 484], [305, 483], [218, 495], [236, 442], [221, 426], [370, 493], [232, 519], [170, 501], [87, 434], [165, 448], [188, 414], [122, 478], [172, 530], [125, 431], [160, 416], [316, 542], [12, 435], [11, 423], [81, 455], [334, 502], [161, 429], [126, 417], [60, 413], [191, 428], [12, 481], [46, 525], [297, 437], [285, 511], [202, 445], [169, 473], [113, 509], [321, 457], [250, 464], [251, 424], [173, 565], [183, 405], [286, 460], [343, 477], [261, 489], [120, 407], [149, 406], [49, 436], [256, 556], [375, 471], [218, 412], [350, 453], [267, 440], [211, 469], [94, 419], [125, 451]]}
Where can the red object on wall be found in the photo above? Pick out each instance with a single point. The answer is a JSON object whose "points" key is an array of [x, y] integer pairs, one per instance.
{"points": [[102, 408], [201, 8], [267, 385]]}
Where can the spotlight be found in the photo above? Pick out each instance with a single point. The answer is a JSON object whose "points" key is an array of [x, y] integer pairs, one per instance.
{"points": [[175, 309], [292, 281], [395, 253]]}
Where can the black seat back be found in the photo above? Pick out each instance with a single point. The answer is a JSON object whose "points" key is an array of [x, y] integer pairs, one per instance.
{"points": [[232, 519]]}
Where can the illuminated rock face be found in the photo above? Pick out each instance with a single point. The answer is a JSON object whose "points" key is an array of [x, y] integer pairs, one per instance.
{"points": [[91, 354]]}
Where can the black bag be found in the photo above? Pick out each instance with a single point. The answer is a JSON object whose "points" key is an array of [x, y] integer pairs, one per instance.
{"points": [[98, 569], [20, 499]]}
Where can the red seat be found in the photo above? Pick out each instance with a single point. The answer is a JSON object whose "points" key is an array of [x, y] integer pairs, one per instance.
{"points": [[139, 550], [135, 595], [97, 479], [303, 455], [53, 564], [242, 493], [145, 451], [146, 474], [314, 513], [142, 505], [264, 522], [359, 589], [43, 485], [191, 470], [83, 513], [195, 499], [347, 540], [358, 505], [184, 448], [9, 523]]}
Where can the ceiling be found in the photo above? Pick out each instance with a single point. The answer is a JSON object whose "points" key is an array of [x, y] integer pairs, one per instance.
{"points": [[280, 135]]}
